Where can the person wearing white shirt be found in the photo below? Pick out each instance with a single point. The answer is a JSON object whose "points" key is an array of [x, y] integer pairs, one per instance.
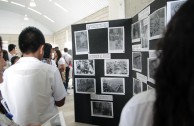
{"points": [[12, 51], [31, 88]]}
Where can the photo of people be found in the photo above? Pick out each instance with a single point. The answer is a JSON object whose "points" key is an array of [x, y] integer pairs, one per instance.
{"points": [[116, 40], [85, 85], [84, 67], [116, 67], [113, 86], [81, 42], [102, 109]]}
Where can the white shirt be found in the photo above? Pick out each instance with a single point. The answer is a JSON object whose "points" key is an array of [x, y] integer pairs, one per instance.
{"points": [[30, 88], [61, 61], [10, 56], [67, 58], [139, 110]]}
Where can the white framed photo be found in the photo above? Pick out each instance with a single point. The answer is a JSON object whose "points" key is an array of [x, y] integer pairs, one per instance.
{"points": [[144, 34], [85, 85], [84, 67], [81, 42], [102, 109], [135, 32], [137, 86], [136, 61], [157, 23], [113, 86], [152, 64], [116, 41], [116, 67]]}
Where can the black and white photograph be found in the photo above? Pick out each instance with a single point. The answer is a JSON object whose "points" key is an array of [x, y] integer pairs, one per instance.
{"points": [[173, 7], [137, 86], [113, 86], [144, 31], [84, 67], [157, 23], [136, 61], [57, 120], [135, 32], [151, 68], [116, 67], [85, 85], [116, 40], [81, 42], [102, 109]]}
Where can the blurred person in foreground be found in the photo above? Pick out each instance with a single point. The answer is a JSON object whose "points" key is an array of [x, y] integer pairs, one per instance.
{"points": [[31, 88], [171, 103]]}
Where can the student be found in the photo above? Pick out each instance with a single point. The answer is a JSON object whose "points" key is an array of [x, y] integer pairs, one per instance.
{"points": [[32, 89], [171, 103], [14, 59], [47, 57], [12, 51]]}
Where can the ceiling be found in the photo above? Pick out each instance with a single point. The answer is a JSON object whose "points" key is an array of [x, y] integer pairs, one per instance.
{"points": [[76, 10]]}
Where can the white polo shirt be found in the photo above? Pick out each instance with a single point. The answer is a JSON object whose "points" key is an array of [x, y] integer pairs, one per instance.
{"points": [[139, 110], [67, 58], [30, 89]]}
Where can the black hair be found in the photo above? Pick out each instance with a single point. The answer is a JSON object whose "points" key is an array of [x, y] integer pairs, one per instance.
{"points": [[47, 50], [11, 47], [65, 49], [13, 59], [58, 56], [30, 39], [1, 43], [5, 55], [174, 105]]}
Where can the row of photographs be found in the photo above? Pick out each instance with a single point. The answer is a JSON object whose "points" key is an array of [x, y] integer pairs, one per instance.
{"points": [[114, 86], [115, 41], [112, 67], [108, 85]]}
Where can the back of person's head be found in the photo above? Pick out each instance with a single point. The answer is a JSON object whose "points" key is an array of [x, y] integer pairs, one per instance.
{"points": [[174, 76], [30, 39], [11, 47], [65, 49], [5, 55], [47, 50], [58, 52], [14, 59]]}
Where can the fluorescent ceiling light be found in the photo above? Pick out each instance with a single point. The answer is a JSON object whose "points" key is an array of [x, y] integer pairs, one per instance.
{"points": [[61, 7], [34, 10], [48, 18], [21, 5], [32, 3], [4, 0]]}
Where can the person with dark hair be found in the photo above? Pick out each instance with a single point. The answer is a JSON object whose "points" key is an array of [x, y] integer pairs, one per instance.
{"points": [[31, 88], [14, 59], [68, 59], [171, 103], [12, 50], [6, 58], [47, 57]]}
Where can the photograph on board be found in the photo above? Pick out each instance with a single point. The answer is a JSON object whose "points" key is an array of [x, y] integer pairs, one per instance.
{"points": [[152, 64], [116, 67], [102, 109], [113, 86], [85, 85], [84, 67], [137, 86], [157, 23], [135, 32], [116, 40], [173, 7], [136, 61], [144, 33], [81, 42]]}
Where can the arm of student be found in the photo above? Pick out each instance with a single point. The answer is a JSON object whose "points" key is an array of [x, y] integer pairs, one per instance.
{"points": [[59, 92]]}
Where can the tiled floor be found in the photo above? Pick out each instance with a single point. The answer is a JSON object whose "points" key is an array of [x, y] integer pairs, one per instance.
{"points": [[68, 110]]}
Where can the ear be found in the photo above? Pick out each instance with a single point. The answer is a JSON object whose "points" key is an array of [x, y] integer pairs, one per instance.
{"points": [[42, 50]]}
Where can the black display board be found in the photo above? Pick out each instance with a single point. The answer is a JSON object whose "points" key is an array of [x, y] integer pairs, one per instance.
{"points": [[98, 43]]}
